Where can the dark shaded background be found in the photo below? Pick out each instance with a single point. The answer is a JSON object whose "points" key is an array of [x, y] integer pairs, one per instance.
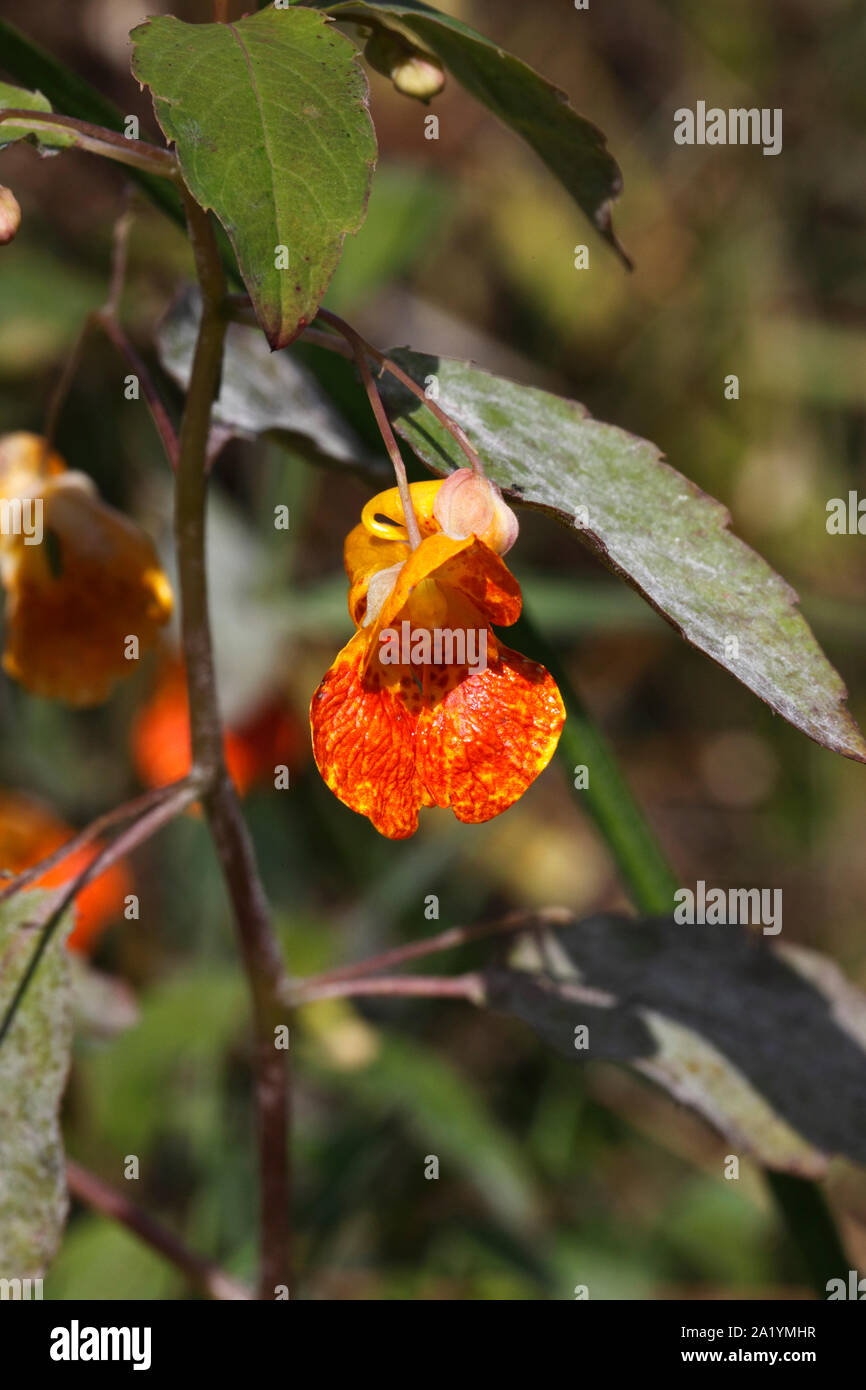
{"points": [[551, 1175]]}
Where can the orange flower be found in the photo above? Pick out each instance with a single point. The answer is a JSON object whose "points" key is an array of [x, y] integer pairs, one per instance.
{"points": [[28, 832], [409, 715], [162, 746], [81, 580]]}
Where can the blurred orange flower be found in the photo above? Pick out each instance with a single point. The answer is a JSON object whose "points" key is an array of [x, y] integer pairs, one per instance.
{"points": [[29, 832], [81, 579], [400, 722], [162, 747]]}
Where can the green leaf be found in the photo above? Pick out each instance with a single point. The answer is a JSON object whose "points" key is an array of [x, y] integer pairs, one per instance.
{"points": [[571, 147], [646, 522], [34, 1061], [269, 117], [767, 1042], [17, 98]]}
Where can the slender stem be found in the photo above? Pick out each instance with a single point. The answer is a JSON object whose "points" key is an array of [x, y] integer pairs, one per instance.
{"points": [[259, 951], [266, 977], [98, 140], [130, 810], [443, 941], [241, 311], [203, 1274], [158, 413], [317, 338], [469, 987], [119, 258], [359, 349], [106, 319], [389, 365], [142, 828], [58, 396], [191, 497]]}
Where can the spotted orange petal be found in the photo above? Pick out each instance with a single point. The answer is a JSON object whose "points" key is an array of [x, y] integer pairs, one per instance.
{"points": [[75, 599], [486, 740], [466, 567], [364, 740]]}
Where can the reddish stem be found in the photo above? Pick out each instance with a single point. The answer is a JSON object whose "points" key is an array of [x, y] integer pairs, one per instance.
{"points": [[203, 1274]]}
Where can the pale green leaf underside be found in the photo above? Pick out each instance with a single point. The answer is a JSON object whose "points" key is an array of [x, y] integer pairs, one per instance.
{"points": [[571, 147], [34, 1061], [270, 121], [648, 523], [767, 1043]]}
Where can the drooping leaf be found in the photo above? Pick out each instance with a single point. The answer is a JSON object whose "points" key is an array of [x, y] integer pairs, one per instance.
{"points": [[645, 521], [270, 121], [571, 147], [19, 99], [34, 1060], [767, 1042], [262, 392]]}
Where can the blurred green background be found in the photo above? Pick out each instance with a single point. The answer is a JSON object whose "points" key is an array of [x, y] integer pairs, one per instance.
{"points": [[551, 1175]]}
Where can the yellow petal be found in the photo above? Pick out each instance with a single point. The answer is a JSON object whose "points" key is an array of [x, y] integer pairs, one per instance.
{"points": [[383, 515]]}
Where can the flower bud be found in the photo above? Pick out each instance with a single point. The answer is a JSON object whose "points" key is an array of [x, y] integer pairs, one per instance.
{"points": [[10, 215], [413, 72], [468, 504]]}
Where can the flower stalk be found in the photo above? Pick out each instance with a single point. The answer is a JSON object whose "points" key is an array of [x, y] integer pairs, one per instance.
{"points": [[110, 144]]}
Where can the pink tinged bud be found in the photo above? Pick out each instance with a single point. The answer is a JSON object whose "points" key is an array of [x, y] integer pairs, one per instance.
{"points": [[413, 72], [10, 215], [418, 77], [469, 505]]}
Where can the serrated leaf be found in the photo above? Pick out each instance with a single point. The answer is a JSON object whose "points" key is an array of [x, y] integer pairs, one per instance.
{"points": [[767, 1042], [571, 146], [261, 392], [17, 99], [270, 122], [34, 1061], [646, 522]]}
